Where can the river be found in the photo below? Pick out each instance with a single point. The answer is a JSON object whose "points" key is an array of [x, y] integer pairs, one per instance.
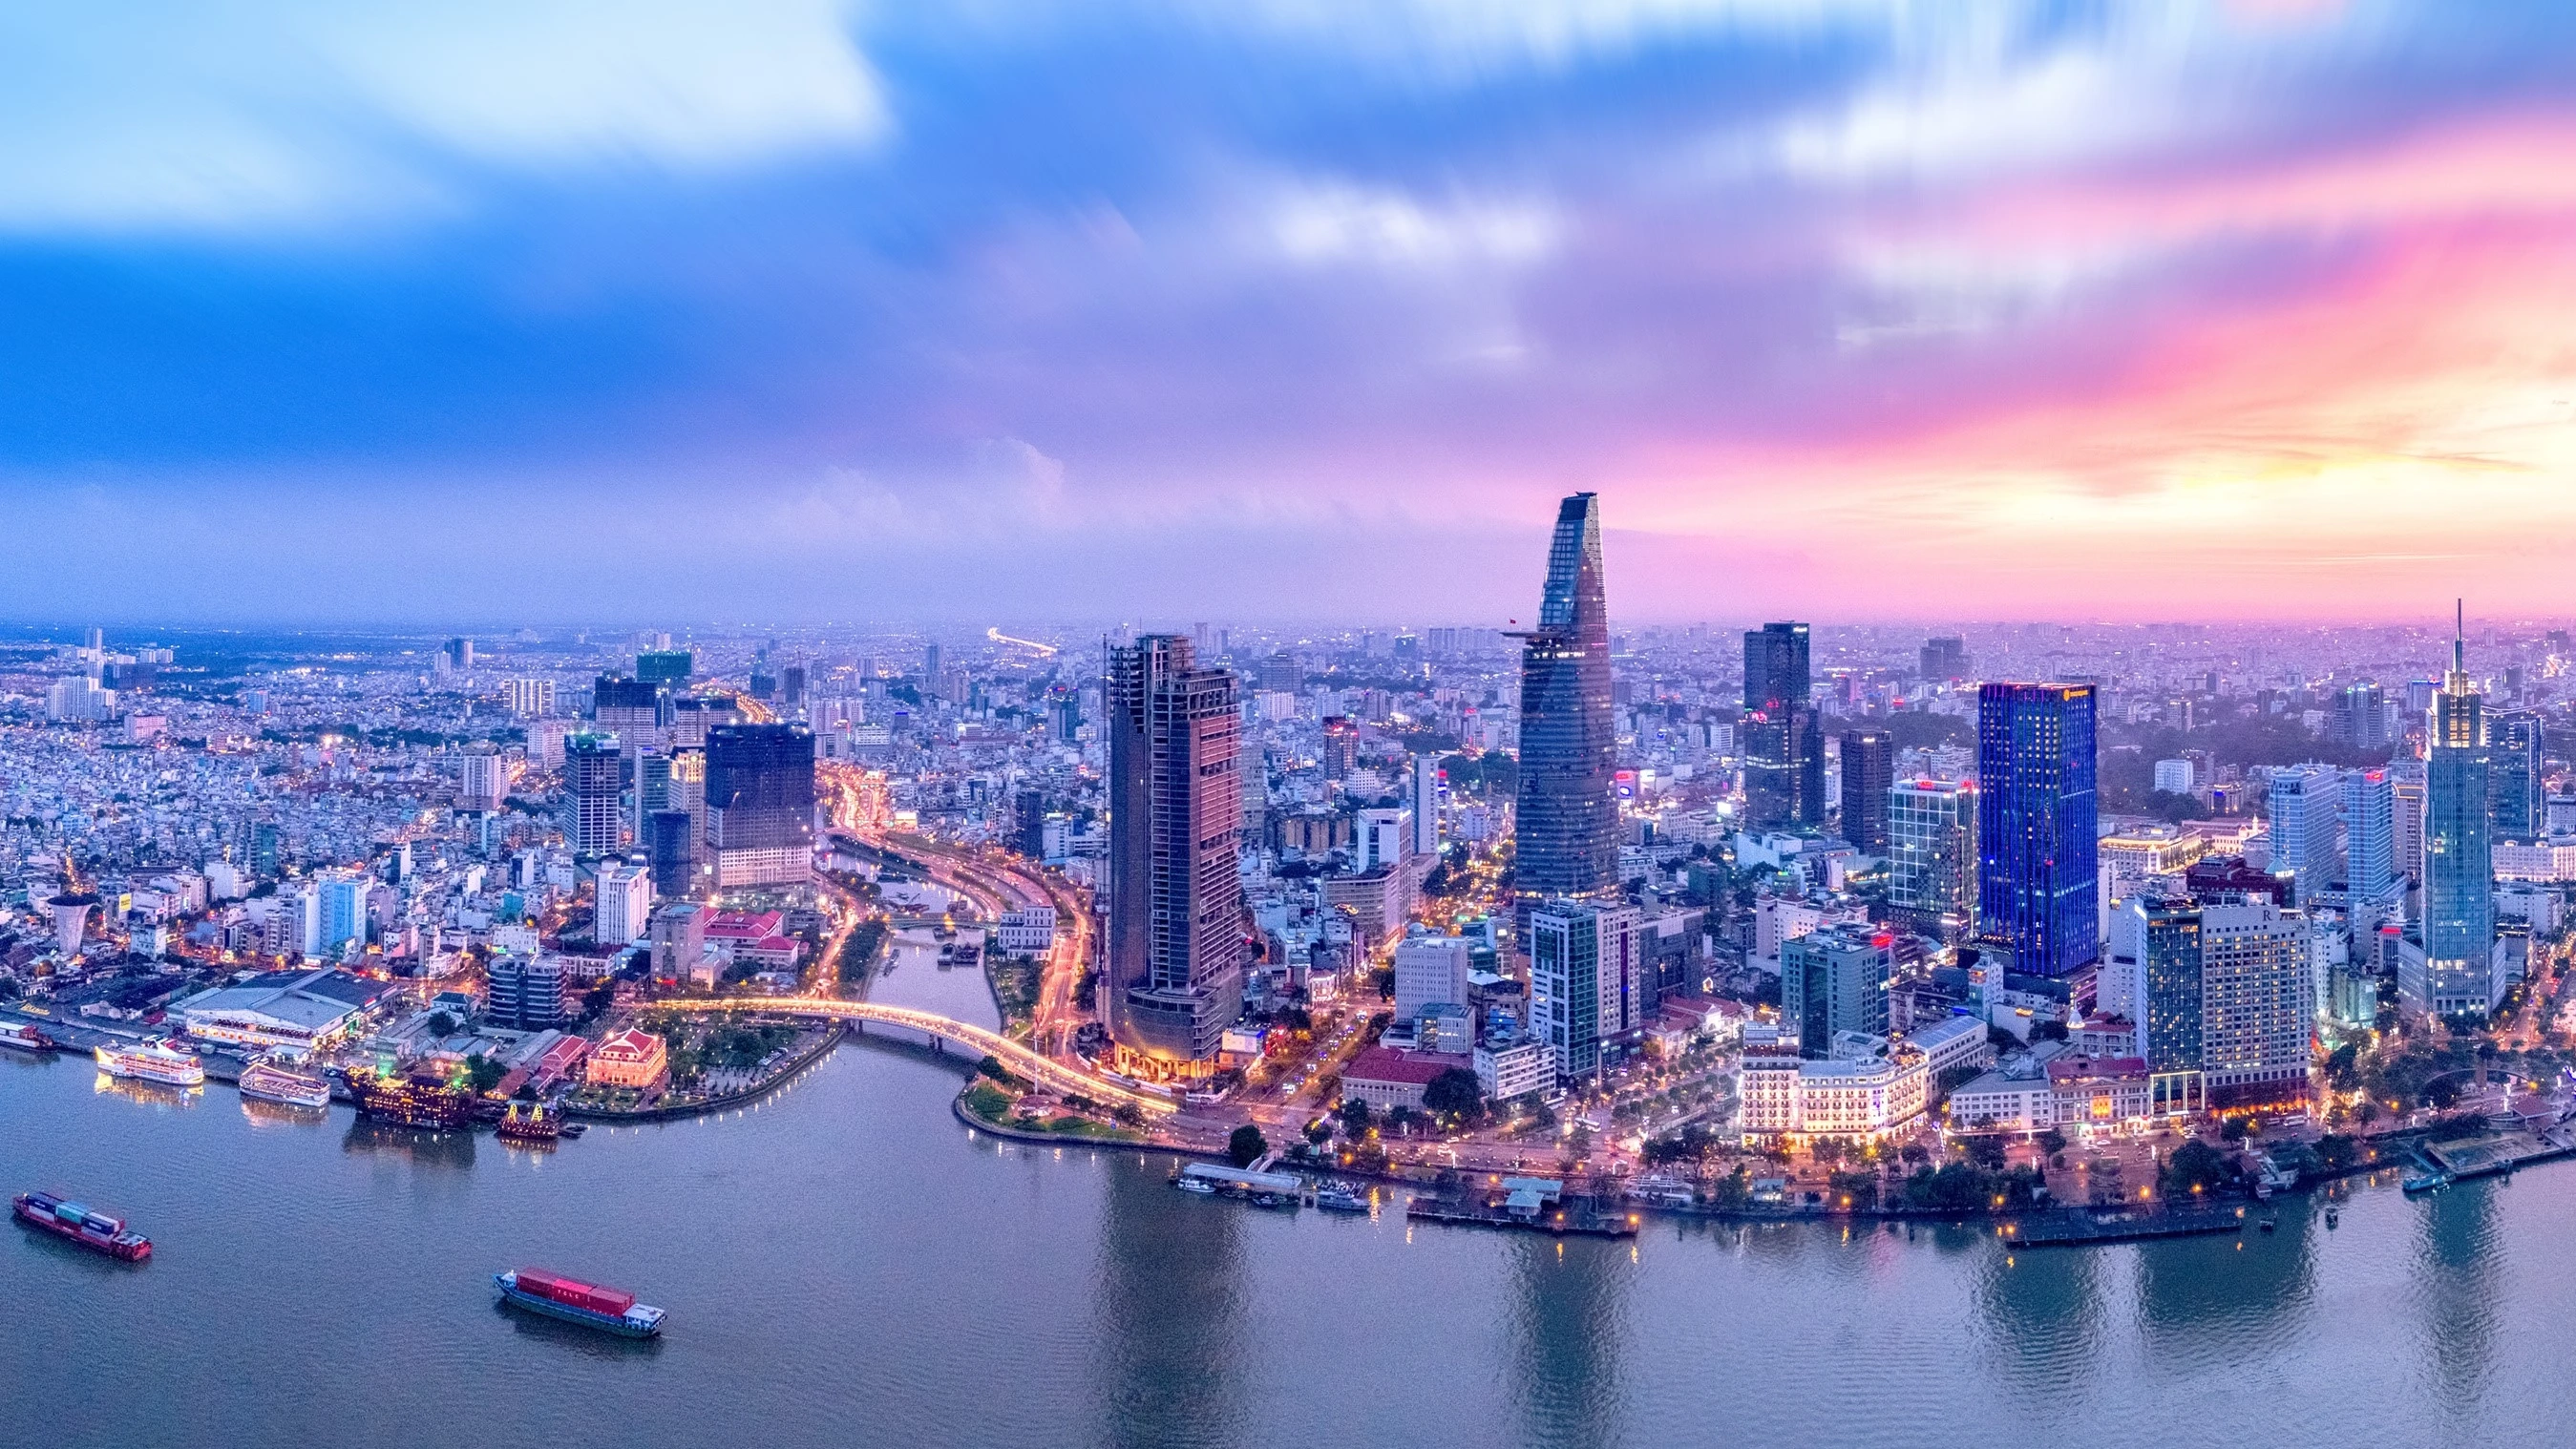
{"points": [[845, 1264]]}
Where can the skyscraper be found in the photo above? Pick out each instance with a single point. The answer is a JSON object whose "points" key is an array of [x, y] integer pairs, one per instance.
{"points": [[482, 777], [1586, 978], [1944, 659], [2229, 999], [1425, 800], [2516, 747], [667, 668], [1932, 856], [633, 711], [760, 804], [591, 789], [2459, 857], [671, 843], [2036, 826], [622, 905], [2302, 801], [1784, 763], [2361, 716], [1174, 972], [1568, 821], [1341, 746], [2370, 833], [1869, 770]]}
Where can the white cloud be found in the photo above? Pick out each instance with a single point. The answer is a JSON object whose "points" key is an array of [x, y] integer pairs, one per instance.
{"points": [[130, 115], [1333, 221]]}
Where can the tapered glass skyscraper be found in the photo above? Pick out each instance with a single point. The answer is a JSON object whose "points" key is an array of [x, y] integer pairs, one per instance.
{"points": [[2036, 826], [1567, 821], [2459, 849], [1784, 763], [1174, 981]]}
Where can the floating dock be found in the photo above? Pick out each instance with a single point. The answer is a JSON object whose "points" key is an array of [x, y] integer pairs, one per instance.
{"points": [[1556, 1222], [2080, 1229]]}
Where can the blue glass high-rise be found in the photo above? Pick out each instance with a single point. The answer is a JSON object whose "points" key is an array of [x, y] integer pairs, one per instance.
{"points": [[1567, 821], [2459, 849], [2036, 826]]}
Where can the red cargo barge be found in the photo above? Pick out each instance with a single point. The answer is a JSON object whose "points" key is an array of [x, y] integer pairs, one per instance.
{"points": [[94, 1231], [574, 1301]]}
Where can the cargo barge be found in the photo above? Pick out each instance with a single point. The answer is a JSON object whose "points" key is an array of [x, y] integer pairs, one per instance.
{"points": [[407, 1103], [267, 1082], [574, 1301], [153, 1060], [74, 1223]]}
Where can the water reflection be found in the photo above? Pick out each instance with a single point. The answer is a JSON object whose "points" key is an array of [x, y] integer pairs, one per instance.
{"points": [[452, 1151], [149, 1094], [2044, 1307], [1569, 1336], [2456, 1291], [1171, 1314], [283, 1114]]}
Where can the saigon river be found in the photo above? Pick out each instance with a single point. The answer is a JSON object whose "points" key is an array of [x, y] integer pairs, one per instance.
{"points": [[845, 1264]]}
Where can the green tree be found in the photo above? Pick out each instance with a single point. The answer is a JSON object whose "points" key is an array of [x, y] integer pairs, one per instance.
{"points": [[1246, 1146], [2052, 1142], [2196, 1167], [1355, 1116], [484, 1073], [1454, 1094], [441, 1024]]}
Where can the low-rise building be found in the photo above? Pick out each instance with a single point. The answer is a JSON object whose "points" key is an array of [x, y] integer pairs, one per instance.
{"points": [[1784, 1096], [293, 1012], [1029, 931], [1387, 1077], [630, 1058], [1512, 1069]]}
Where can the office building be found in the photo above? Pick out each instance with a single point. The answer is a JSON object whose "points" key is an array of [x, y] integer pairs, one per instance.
{"points": [[2175, 777], [1341, 746], [1173, 977], [342, 902], [670, 844], [1586, 977], [652, 792], [760, 805], [2516, 749], [1835, 980], [2459, 876], [666, 668], [2361, 716], [2304, 805], [1944, 659], [680, 943], [622, 912], [2370, 833], [1568, 820], [591, 793], [1430, 971], [1424, 794], [2036, 826], [1869, 771], [482, 777], [1932, 857], [527, 992], [634, 711], [1784, 758], [529, 698]]}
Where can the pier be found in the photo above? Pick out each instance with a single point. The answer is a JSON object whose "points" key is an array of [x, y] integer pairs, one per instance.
{"points": [[2076, 1228]]}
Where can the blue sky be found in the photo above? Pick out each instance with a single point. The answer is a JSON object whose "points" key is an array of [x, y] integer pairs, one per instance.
{"points": [[494, 313]]}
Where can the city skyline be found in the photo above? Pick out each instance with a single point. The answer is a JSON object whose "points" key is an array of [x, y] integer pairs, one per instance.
{"points": [[1832, 305]]}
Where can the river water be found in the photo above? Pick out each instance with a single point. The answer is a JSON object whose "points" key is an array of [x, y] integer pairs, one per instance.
{"points": [[845, 1264]]}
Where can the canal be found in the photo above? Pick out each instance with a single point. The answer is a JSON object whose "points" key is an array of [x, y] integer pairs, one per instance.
{"points": [[844, 1264]]}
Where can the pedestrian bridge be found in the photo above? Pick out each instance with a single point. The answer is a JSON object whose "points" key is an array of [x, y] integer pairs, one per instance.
{"points": [[1019, 1060]]}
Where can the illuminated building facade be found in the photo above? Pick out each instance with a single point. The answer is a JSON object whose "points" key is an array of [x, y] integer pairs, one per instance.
{"points": [[1567, 819], [1174, 977], [2036, 826]]}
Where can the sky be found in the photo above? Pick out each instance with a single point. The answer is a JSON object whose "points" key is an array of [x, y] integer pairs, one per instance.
{"points": [[1850, 310]]}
